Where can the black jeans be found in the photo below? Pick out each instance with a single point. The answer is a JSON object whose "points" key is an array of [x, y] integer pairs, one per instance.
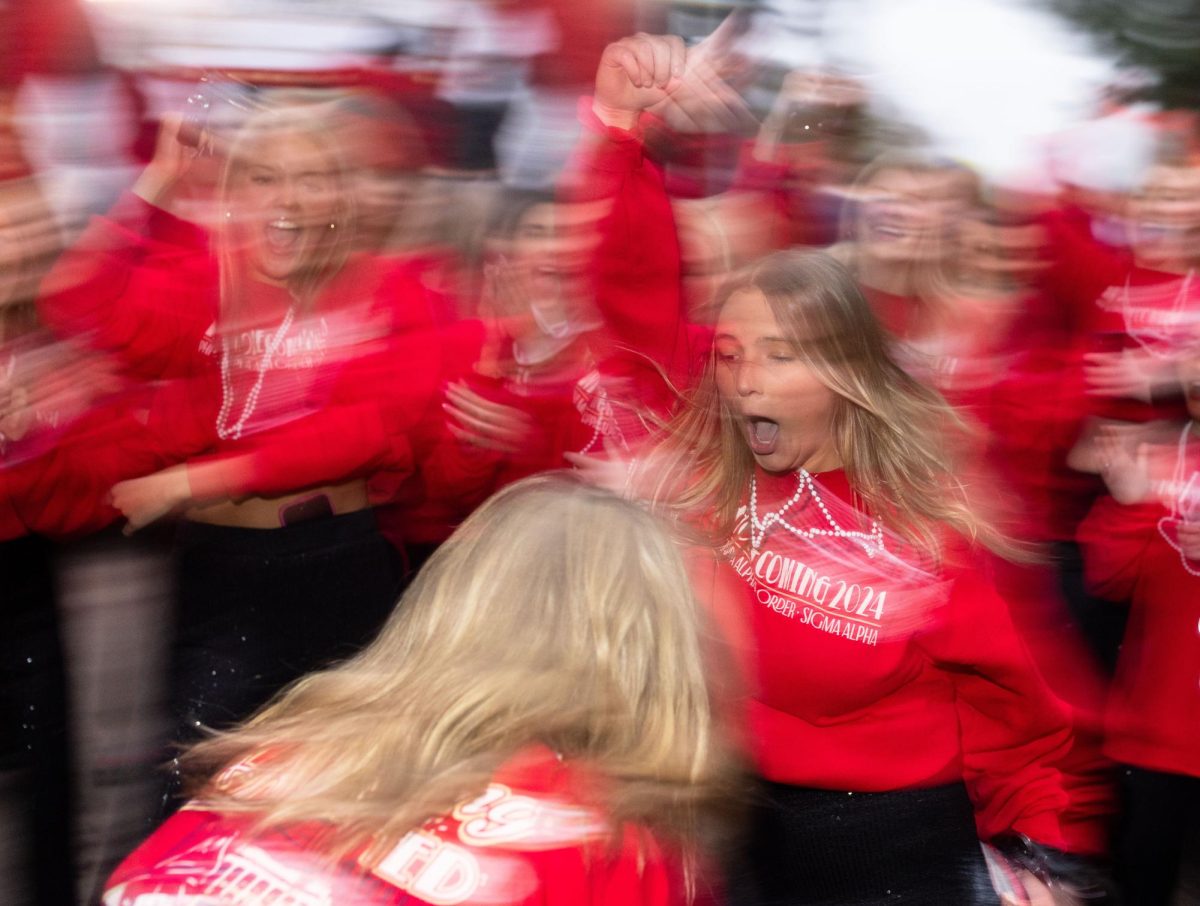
{"points": [[34, 725], [259, 608], [1160, 811], [808, 847]]}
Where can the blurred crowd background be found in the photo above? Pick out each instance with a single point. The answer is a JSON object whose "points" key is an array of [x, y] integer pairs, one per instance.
{"points": [[1017, 166]]}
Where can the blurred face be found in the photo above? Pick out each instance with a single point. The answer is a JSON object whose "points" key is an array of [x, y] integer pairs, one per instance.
{"points": [[1002, 256], [382, 178], [551, 247], [1165, 217], [780, 405], [906, 215], [284, 199]]}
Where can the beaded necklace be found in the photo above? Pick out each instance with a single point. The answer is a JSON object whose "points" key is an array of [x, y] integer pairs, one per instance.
{"points": [[224, 430], [1180, 471], [871, 541]]}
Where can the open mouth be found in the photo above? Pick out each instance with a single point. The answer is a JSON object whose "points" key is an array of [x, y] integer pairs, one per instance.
{"points": [[283, 236], [762, 434]]}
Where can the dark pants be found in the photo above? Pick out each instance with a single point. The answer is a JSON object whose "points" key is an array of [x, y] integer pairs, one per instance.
{"points": [[1160, 812], [829, 848], [259, 608], [1100, 622], [34, 749]]}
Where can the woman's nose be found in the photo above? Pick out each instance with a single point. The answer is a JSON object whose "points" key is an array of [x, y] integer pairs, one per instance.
{"points": [[285, 193], [747, 379]]}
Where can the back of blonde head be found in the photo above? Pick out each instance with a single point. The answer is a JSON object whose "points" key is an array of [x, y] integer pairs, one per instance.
{"points": [[557, 614]]}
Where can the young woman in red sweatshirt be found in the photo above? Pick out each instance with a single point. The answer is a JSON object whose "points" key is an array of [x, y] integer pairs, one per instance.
{"points": [[532, 726], [896, 717], [289, 368], [1141, 544]]}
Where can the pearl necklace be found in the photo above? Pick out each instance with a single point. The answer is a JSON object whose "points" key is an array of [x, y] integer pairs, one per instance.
{"points": [[871, 541], [224, 431]]}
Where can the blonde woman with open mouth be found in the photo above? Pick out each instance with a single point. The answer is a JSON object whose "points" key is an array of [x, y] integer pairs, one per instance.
{"points": [[895, 718], [287, 366]]}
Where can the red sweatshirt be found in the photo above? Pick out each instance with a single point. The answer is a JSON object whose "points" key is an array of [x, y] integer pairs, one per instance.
{"points": [[875, 671], [1133, 553], [303, 397], [1144, 312], [54, 477], [529, 838], [608, 387]]}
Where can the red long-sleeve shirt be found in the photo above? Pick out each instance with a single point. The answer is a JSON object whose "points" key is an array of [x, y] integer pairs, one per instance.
{"points": [[329, 398], [1133, 553], [609, 388], [873, 671]]}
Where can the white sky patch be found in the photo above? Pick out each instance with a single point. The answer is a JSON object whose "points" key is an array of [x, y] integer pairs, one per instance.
{"points": [[989, 81]]}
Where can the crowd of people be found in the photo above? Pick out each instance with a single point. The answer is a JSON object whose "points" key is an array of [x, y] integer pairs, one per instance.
{"points": [[873, 577]]}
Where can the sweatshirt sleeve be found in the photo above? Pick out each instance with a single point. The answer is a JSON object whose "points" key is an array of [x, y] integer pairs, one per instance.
{"points": [[1025, 769], [636, 267], [139, 284], [1114, 539], [377, 405], [64, 492]]}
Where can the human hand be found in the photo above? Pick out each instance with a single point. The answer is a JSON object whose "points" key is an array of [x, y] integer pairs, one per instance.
{"points": [[481, 422], [173, 158], [1188, 534], [659, 74], [16, 412], [1124, 464], [148, 499], [1038, 892], [613, 470], [1125, 374]]}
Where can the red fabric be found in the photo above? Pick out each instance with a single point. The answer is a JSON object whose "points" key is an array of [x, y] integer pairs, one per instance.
{"points": [[1154, 704], [637, 265], [608, 389], [530, 838], [63, 492], [80, 414], [878, 673], [1137, 312], [139, 284], [345, 385]]}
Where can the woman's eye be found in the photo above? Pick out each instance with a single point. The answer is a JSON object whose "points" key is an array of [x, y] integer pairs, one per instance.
{"points": [[261, 179], [726, 357], [781, 357]]}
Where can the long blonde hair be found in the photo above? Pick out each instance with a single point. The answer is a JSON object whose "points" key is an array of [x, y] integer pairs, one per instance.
{"points": [[557, 614], [316, 117], [897, 439]]}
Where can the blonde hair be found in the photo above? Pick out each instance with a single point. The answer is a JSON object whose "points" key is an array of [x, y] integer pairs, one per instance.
{"points": [[557, 614], [897, 439], [316, 117]]}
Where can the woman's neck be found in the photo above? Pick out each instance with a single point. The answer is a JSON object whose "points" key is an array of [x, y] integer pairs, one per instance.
{"points": [[894, 277]]}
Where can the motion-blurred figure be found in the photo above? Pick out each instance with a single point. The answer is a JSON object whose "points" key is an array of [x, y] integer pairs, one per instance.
{"points": [[533, 725]]}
